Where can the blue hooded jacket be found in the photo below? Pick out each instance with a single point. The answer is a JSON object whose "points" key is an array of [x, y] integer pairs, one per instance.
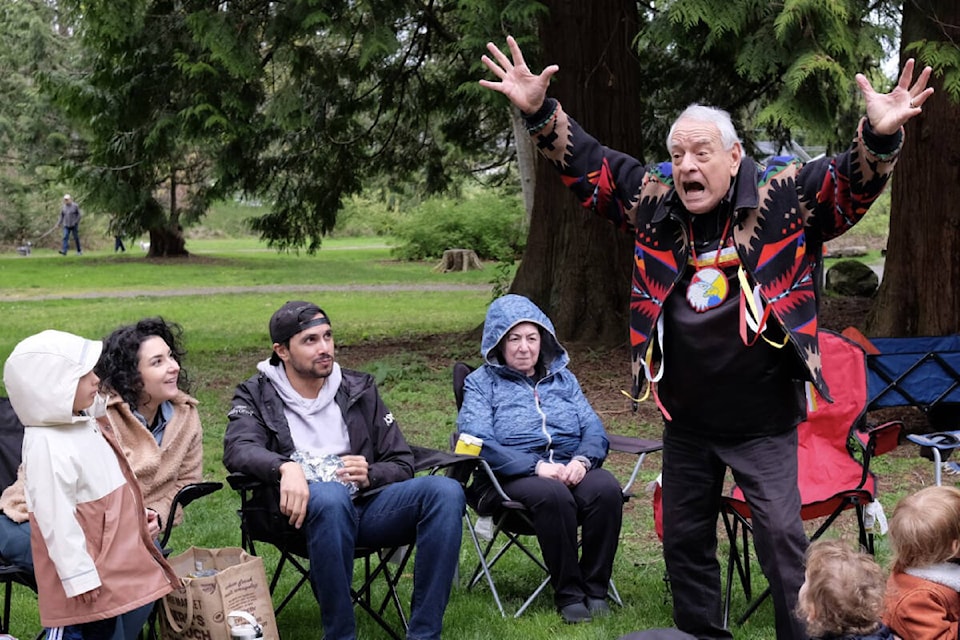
{"points": [[521, 420]]}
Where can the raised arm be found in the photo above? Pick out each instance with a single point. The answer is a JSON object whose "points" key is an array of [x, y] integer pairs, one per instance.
{"points": [[888, 112], [522, 87]]}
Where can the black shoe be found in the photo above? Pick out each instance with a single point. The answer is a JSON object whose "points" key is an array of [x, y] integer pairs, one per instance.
{"points": [[598, 607], [575, 613], [63, 253]]}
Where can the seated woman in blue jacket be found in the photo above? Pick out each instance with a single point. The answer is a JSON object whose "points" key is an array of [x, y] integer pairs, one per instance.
{"points": [[546, 445]]}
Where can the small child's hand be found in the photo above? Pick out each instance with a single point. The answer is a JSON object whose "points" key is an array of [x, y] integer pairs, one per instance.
{"points": [[89, 597], [153, 523]]}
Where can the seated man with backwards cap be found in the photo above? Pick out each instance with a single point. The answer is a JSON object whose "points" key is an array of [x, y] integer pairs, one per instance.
{"points": [[338, 468]]}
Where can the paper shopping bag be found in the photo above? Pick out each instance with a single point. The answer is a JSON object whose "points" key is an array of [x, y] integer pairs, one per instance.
{"points": [[216, 582]]}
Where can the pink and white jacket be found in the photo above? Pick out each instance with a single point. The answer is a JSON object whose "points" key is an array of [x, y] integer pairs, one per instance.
{"points": [[87, 518]]}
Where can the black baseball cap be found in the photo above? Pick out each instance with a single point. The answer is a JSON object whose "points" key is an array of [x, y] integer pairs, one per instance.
{"points": [[292, 318]]}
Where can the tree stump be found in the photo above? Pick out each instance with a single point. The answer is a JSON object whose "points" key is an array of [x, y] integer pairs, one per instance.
{"points": [[459, 260]]}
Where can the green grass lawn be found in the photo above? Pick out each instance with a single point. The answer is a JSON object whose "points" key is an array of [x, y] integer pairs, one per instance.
{"points": [[407, 337], [216, 263]]}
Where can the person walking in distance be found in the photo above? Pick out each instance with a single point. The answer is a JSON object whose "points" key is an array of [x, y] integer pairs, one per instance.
{"points": [[70, 215]]}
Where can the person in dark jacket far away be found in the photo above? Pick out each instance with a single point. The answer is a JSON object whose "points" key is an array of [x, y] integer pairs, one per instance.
{"points": [[340, 470], [723, 310]]}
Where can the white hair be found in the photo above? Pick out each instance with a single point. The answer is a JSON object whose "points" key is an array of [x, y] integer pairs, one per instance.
{"points": [[712, 115]]}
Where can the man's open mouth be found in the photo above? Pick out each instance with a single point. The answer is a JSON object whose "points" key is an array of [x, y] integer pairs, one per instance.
{"points": [[693, 186]]}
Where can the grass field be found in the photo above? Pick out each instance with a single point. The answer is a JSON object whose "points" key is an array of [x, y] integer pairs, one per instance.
{"points": [[403, 322]]}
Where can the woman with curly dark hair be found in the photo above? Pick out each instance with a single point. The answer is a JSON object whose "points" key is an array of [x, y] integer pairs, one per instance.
{"points": [[148, 405], [154, 419]]}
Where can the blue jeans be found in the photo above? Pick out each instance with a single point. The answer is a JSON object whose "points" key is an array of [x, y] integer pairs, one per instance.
{"points": [[427, 510], [75, 230], [15, 542]]}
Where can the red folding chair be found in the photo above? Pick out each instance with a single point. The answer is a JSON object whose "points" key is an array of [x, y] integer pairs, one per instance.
{"points": [[834, 454]]}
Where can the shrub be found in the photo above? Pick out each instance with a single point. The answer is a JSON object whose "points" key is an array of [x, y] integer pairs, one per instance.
{"points": [[490, 223], [367, 215]]}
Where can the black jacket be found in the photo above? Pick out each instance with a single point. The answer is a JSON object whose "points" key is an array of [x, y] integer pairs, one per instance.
{"points": [[257, 440]]}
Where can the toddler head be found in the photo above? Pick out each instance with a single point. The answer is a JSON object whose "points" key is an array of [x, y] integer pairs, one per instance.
{"points": [[49, 377], [925, 528], [843, 591]]}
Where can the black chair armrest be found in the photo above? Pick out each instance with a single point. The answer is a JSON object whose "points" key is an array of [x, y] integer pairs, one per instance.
{"points": [[184, 497], [636, 446], [433, 460], [242, 482], [633, 446]]}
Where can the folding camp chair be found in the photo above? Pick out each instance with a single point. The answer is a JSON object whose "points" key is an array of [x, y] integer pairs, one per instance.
{"points": [[831, 477], [185, 496], [259, 525], [510, 519], [291, 544], [937, 447], [923, 372]]}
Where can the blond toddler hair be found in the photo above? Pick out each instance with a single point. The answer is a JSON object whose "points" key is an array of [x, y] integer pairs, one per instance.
{"points": [[843, 591], [925, 528]]}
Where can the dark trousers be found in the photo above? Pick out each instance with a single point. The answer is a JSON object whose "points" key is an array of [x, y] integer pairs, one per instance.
{"points": [[765, 468], [596, 504]]}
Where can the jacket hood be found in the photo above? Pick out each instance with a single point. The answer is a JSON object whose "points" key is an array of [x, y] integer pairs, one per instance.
{"points": [[507, 312], [42, 373]]}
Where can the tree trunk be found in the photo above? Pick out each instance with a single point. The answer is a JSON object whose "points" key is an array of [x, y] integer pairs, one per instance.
{"points": [[920, 292], [576, 266], [526, 162], [167, 242]]}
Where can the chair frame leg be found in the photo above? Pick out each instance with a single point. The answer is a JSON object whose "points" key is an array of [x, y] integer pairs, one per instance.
{"points": [[362, 596], [482, 567], [733, 522], [486, 564], [7, 597]]}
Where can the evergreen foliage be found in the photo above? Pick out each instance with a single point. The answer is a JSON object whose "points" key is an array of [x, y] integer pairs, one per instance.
{"points": [[33, 135], [490, 223], [944, 57], [160, 111], [305, 103], [298, 103], [781, 69]]}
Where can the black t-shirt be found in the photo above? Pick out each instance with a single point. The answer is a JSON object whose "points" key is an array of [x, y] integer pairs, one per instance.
{"points": [[713, 384]]}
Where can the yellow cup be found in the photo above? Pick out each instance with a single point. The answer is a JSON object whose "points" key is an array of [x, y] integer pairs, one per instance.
{"points": [[468, 445]]}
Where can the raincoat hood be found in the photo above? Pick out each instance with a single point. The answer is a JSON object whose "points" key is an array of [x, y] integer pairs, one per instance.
{"points": [[42, 373], [507, 312]]}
